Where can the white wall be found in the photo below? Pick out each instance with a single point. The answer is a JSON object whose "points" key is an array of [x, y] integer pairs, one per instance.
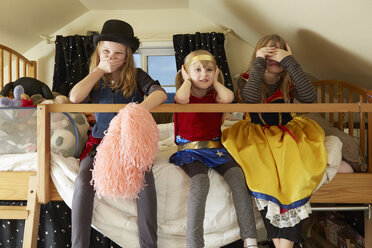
{"points": [[330, 39], [148, 25]]}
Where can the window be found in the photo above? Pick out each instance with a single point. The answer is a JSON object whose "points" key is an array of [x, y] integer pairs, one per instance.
{"points": [[158, 60]]}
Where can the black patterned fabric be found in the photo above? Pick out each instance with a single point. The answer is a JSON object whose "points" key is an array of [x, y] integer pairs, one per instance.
{"points": [[54, 229], [71, 61], [213, 42]]}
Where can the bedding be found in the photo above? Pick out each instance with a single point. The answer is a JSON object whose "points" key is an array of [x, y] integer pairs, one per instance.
{"points": [[351, 152], [117, 219]]}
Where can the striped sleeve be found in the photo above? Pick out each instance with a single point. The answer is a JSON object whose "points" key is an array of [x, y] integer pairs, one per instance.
{"points": [[303, 91], [251, 89]]}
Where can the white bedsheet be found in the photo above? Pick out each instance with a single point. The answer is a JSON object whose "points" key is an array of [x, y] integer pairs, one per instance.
{"points": [[117, 219]]}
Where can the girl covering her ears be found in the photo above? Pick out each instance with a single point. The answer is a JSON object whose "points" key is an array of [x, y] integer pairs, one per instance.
{"points": [[199, 148], [282, 155], [113, 78]]}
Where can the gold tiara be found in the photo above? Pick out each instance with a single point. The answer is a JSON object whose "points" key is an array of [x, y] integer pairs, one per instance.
{"points": [[198, 58]]}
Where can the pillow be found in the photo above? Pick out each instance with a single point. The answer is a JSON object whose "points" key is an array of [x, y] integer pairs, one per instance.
{"points": [[351, 152], [166, 130], [345, 168]]}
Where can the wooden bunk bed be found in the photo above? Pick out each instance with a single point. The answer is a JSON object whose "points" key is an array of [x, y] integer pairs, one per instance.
{"points": [[16, 186], [37, 188]]}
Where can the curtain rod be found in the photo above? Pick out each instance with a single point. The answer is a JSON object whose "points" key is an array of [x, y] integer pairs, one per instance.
{"points": [[47, 38], [227, 32]]}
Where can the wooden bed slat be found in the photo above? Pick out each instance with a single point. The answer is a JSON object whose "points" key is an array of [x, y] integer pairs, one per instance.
{"points": [[13, 212], [14, 185], [17, 67], [331, 115], [12, 56], [362, 129], [350, 114], [1, 69], [10, 74], [341, 189], [340, 118]]}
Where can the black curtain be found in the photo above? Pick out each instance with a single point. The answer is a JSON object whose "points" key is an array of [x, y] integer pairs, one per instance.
{"points": [[71, 61], [54, 229], [213, 42]]}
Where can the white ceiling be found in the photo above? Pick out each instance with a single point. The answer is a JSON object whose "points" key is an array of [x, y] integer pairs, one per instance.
{"points": [[23, 21], [136, 4]]}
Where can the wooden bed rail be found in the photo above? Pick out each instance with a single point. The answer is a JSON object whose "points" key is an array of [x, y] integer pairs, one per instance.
{"points": [[16, 66], [43, 126]]}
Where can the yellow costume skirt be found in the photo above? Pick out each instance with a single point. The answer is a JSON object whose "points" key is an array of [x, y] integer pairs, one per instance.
{"points": [[283, 165]]}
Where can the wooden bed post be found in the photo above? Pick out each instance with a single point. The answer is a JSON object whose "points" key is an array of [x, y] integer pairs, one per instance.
{"points": [[43, 154], [1, 69], [31, 70], [368, 219], [33, 216]]}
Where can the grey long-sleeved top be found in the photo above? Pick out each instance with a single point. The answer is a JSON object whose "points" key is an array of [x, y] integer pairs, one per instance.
{"points": [[251, 90]]}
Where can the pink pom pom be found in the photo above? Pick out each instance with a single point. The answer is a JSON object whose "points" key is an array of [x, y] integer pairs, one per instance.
{"points": [[126, 152]]}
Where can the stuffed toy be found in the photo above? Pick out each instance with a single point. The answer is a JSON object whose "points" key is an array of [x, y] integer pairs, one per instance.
{"points": [[31, 87], [69, 132], [17, 130], [13, 102]]}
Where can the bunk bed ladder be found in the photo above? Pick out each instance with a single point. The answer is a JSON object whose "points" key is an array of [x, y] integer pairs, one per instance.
{"points": [[29, 213]]}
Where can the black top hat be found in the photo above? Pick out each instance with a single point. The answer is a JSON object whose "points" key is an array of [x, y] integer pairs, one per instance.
{"points": [[117, 31]]}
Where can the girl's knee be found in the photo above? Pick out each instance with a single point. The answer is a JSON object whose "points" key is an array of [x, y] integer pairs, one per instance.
{"points": [[200, 180], [234, 174]]}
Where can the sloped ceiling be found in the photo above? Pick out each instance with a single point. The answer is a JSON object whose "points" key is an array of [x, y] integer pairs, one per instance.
{"points": [[331, 39], [137, 4], [22, 21]]}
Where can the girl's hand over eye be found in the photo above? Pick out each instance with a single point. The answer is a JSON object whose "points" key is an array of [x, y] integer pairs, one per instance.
{"points": [[265, 52], [281, 53]]}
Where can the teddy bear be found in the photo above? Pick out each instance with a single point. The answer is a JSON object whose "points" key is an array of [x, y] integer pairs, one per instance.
{"points": [[69, 131], [31, 87]]}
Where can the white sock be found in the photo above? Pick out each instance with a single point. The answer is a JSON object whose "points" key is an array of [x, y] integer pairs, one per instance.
{"points": [[250, 243]]}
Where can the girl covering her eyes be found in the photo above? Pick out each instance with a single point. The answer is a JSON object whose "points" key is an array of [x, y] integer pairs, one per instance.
{"points": [[282, 155]]}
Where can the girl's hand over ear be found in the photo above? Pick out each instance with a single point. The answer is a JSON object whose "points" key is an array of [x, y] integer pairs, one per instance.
{"points": [[185, 74], [216, 73]]}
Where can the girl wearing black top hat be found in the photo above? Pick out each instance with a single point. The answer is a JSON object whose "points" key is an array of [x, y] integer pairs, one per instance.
{"points": [[113, 78]]}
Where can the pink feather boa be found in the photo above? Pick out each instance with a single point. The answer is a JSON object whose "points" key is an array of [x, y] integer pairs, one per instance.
{"points": [[126, 152]]}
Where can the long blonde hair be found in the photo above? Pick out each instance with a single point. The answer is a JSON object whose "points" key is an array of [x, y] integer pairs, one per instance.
{"points": [[284, 79], [179, 79], [127, 75]]}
